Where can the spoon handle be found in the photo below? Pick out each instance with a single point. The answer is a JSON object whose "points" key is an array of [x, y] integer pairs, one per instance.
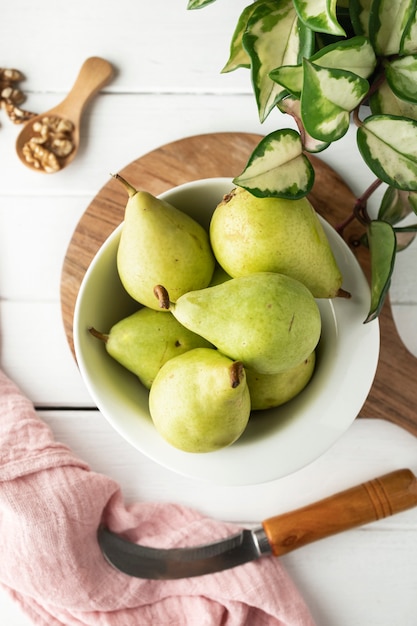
{"points": [[93, 75]]}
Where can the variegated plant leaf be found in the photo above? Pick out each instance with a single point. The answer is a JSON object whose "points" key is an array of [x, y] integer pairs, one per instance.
{"points": [[290, 77], [355, 55], [387, 21], [401, 75], [388, 146], [409, 38], [382, 246], [277, 167], [396, 204], [198, 4], [292, 106], [404, 236], [319, 15], [359, 11], [274, 36], [328, 97], [384, 101], [238, 56]]}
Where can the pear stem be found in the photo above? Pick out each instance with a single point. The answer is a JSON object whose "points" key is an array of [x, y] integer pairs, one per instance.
{"points": [[129, 188], [342, 293], [96, 333], [162, 295], [236, 374]]}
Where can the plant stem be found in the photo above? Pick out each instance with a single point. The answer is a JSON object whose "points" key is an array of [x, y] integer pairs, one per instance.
{"points": [[359, 210]]}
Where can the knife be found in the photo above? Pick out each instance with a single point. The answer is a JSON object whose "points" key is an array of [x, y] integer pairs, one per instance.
{"points": [[364, 503]]}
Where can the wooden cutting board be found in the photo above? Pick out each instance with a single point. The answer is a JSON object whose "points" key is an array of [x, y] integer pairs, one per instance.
{"points": [[393, 396]]}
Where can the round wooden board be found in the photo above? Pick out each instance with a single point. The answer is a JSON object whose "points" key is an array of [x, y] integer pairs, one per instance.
{"points": [[392, 396]]}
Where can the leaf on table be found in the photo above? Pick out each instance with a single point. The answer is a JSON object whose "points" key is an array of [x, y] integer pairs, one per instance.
{"points": [[388, 145], [274, 36], [277, 167], [384, 101], [382, 246], [238, 56], [292, 106], [387, 21], [401, 75], [359, 11], [319, 15], [328, 97]]}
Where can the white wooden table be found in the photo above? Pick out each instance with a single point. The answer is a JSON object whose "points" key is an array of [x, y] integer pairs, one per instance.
{"points": [[168, 86]]}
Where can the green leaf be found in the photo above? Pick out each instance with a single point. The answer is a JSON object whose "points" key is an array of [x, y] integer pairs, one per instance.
{"points": [[404, 236], [198, 4], [384, 101], [396, 204], [292, 106], [359, 11], [382, 246], [409, 38], [238, 56], [401, 75], [387, 22], [273, 37], [327, 98], [355, 55], [290, 77], [388, 145], [319, 15], [277, 167]]}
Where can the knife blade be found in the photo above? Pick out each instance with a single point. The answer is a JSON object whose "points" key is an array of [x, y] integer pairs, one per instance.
{"points": [[368, 502]]}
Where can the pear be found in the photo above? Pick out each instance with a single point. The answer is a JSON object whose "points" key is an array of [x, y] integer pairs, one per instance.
{"points": [[145, 340], [161, 244], [219, 276], [269, 321], [272, 390], [199, 401], [250, 234]]}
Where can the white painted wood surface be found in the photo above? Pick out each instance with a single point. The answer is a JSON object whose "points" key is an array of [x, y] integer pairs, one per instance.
{"points": [[168, 85]]}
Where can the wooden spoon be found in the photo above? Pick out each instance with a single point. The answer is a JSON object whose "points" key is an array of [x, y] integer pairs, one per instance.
{"points": [[50, 141]]}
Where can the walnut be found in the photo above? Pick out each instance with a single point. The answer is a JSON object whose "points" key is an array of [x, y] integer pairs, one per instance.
{"points": [[51, 141], [11, 96]]}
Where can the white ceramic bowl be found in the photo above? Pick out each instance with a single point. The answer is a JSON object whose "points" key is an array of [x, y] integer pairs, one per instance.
{"points": [[276, 442]]}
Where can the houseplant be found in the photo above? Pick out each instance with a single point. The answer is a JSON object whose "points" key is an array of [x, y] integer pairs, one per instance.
{"points": [[336, 66]]}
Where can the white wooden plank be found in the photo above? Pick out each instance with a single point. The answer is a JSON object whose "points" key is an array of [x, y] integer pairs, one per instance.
{"points": [[35, 354], [155, 46], [366, 578], [369, 448], [34, 236]]}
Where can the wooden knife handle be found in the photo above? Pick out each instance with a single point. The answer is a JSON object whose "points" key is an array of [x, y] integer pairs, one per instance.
{"points": [[368, 502]]}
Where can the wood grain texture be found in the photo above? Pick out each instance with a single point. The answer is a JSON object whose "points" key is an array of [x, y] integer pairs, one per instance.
{"points": [[393, 396]]}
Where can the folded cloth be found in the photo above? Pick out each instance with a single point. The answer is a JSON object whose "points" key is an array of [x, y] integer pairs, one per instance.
{"points": [[51, 505]]}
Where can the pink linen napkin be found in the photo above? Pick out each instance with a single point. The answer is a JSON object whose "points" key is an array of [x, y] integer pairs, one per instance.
{"points": [[51, 505]]}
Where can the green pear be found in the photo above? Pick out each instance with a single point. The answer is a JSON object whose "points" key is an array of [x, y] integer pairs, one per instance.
{"points": [[250, 234], [272, 390], [199, 401], [145, 340], [219, 276], [161, 244], [269, 321]]}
